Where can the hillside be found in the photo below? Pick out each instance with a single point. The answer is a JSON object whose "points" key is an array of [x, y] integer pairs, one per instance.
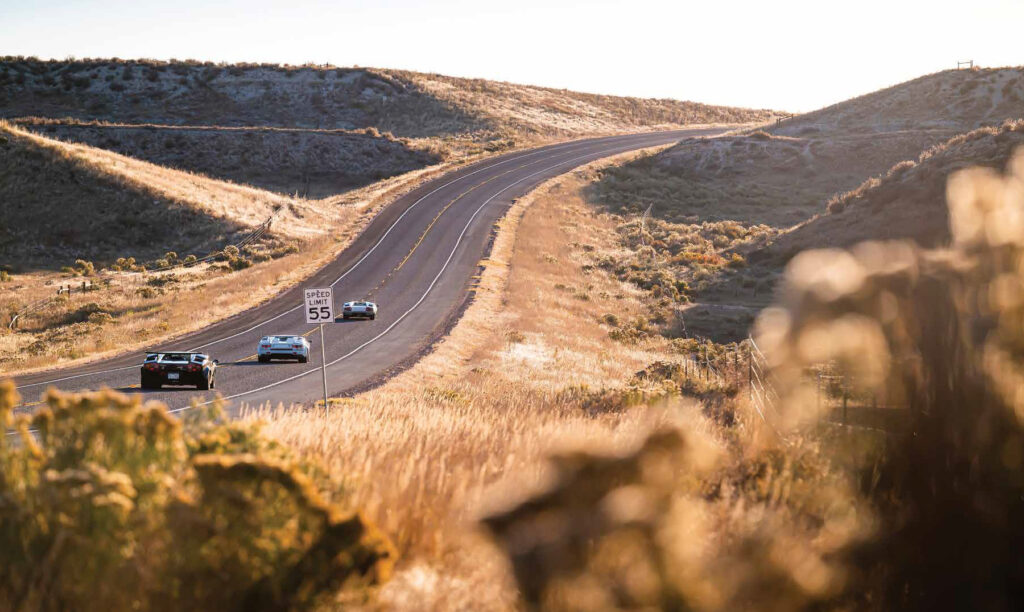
{"points": [[61, 201], [311, 163], [311, 130], [785, 173], [406, 104], [908, 202], [723, 208]]}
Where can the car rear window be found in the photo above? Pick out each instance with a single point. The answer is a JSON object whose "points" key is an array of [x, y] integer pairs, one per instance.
{"points": [[176, 357], [284, 339]]}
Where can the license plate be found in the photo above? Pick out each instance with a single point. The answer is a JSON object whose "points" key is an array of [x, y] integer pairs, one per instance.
{"points": [[172, 376]]}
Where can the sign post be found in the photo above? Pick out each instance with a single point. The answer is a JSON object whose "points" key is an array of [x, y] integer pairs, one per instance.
{"points": [[320, 310]]}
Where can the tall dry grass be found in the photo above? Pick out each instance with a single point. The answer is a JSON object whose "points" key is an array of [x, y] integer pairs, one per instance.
{"points": [[112, 504], [472, 423]]}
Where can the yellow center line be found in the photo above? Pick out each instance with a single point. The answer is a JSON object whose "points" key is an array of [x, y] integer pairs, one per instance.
{"points": [[438, 216]]}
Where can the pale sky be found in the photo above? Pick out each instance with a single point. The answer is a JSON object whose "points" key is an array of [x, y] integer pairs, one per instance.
{"points": [[784, 54]]}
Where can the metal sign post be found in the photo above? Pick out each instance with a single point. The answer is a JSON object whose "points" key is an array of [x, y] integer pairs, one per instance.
{"points": [[320, 310], [323, 362]]}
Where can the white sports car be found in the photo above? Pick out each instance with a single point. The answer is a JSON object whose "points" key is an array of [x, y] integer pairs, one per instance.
{"points": [[283, 347], [359, 309]]}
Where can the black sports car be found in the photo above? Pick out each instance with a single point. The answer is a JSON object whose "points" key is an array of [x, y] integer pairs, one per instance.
{"points": [[177, 368]]}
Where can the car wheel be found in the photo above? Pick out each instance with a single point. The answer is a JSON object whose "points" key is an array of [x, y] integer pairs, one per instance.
{"points": [[344, 317], [263, 359], [373, 316], [204, 385], [149, 385], [303, 359]]}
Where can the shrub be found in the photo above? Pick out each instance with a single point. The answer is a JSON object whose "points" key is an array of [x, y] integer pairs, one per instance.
{"points": [[4, 276], [190, 260], [112, 505], [239, 263], [611, 319], [81, 268], [284, 250], [940, 334], [100, 318]]}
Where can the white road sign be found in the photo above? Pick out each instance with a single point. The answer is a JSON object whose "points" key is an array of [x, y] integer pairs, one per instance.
{"points": [[319, 305]]}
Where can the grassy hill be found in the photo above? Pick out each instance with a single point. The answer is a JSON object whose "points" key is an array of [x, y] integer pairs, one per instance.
{"points": [[313, 163], [729, 212], [406, 104], [62, 201], [908, 202], [327, 128], [785, 173]]}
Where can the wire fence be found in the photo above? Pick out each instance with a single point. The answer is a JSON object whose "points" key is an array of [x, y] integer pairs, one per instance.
{"points": [[839, 398], [42, 304]]}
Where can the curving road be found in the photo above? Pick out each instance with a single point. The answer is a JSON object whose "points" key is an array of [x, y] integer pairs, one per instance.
{"points": [[416, 259]]}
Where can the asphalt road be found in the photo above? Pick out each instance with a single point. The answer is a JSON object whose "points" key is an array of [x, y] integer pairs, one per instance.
{"points": [[416, 259]]}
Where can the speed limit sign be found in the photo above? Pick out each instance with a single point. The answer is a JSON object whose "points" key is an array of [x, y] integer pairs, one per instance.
{"points": [[319, 305]]}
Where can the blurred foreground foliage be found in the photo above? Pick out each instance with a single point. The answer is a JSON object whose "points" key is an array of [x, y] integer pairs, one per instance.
{"points": [[109, 504], [810, 516]]}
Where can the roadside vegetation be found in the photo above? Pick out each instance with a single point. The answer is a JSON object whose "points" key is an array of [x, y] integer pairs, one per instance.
{"points": [[112, 504], [470, 426], [616, 475]]}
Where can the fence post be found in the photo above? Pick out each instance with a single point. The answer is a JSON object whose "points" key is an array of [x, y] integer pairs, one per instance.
{"points": [[818, 400], [844, 404]]}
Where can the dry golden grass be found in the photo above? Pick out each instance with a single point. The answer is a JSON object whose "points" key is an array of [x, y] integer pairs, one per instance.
{"points": [[426, 453], [233, 204], [531, 112]]}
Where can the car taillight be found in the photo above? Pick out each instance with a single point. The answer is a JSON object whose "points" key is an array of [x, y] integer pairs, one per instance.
{"points": [[152, 367], [264, 346], [348, 309], [193, 367], [298, 346]]}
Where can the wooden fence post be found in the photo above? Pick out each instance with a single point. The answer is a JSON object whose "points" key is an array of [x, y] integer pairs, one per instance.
{"points": [[845, 396], [818, 400]]}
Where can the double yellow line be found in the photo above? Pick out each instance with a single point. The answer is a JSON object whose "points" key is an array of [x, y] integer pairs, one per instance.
{"points": [[433, 222]]}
